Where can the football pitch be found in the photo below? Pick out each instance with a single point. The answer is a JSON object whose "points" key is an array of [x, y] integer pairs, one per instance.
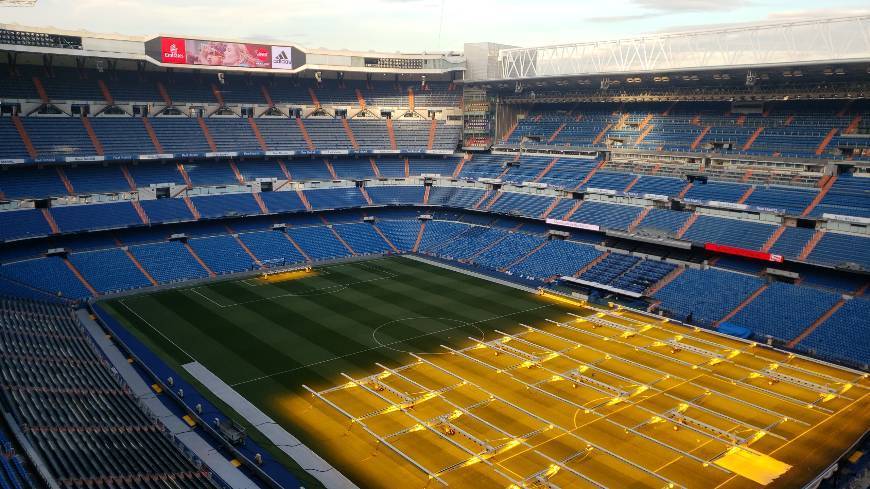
{"points": [[405, 374]]}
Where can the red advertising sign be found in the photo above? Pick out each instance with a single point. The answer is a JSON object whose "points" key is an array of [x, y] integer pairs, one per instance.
{"points": [[175, 50], [218, 53], [733, 250], [172, 50]]}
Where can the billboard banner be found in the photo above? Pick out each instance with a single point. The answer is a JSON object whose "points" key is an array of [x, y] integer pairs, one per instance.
{"points": [[172, 50], [572, 224], [181, 51], [217, 53], [281, 58], [734, 250], [854, 219]]}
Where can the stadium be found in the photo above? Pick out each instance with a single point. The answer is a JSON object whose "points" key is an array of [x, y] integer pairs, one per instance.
{"points": [[240, 263]]}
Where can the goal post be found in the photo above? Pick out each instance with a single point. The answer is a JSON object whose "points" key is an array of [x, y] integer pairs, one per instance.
{"points": [[270, 268], [272, 264]]}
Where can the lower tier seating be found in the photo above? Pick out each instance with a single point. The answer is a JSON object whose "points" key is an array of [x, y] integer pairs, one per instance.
{"points": [[79, 417], [707, 295], [498, 244]]}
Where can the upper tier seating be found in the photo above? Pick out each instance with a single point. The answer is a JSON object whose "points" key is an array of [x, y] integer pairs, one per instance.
{"points": [[850, 195], [232, 134], [836, 249], [25, 223], [794, 129], [226, 205], [663, 221], [731, 232], [351, 169], [96, 216], [185, 87], [10, 142], [484, 166], [146, 174], [97, 179], [369, 134], [440, 166], [792, 241], [58, 136], [166, 210], [122, 135], [209, 173], [458, 197], [251, 170], [520, 204], [335, 198], [126, 137], [611, 216], [305, 170], [281, 134], [791, 200], [658, 185], [394, 194], [180, 135], [282, 201]]}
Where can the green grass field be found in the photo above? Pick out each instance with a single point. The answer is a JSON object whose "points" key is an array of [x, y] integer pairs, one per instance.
{"points": [[267, 339]]}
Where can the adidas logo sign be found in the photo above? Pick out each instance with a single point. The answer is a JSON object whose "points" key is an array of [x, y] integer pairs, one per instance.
{"points": [[281, 59]]}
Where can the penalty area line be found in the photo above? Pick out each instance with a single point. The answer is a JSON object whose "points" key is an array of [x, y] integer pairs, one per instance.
{"points": [[197, 292]]}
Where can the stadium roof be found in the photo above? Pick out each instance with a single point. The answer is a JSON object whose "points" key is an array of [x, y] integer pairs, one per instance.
{"points": [[831, 40], [92, 45]]}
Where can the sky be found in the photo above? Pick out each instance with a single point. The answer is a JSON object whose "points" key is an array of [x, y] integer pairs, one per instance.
{"points": [[415, 25]]}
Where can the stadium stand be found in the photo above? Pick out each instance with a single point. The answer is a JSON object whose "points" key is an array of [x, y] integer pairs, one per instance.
{"points": [[694, 292], [84, 422], [112, 181]]}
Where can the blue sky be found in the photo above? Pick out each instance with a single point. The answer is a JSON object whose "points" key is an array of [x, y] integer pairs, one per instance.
{"points": [[415, 25]]}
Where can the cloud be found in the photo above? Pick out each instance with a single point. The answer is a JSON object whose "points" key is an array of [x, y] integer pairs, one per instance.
{"points": [[625, 18], [679, 6], [817, 13], [650, 9], [772, 18]]}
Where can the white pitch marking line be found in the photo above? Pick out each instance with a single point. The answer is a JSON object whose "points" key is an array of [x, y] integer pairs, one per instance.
{"points": [[321, 291], [182, 350], [385, 345], [197, 292], [394, 321]]}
